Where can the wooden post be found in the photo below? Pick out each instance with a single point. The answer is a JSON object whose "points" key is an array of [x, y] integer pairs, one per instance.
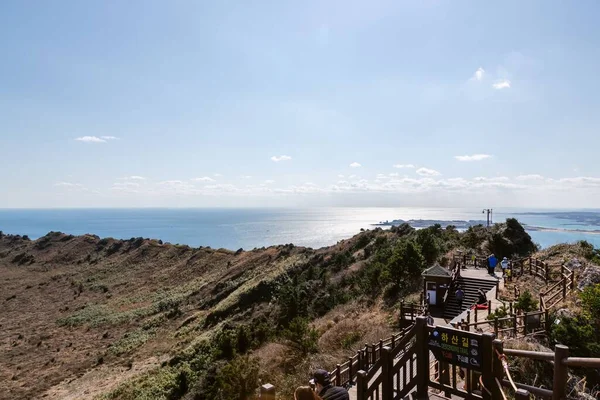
{"points": [[496, 326], [375, 358], [387, 383], [497, 369], [393, 341], [573, 280], [402, 313], [350, 370], [515, 325], [468, 318], [547, 322], [522, 394], [561, 372], [564, 287], [422, 352], [510, 307], [497, 288], [366, 363], [475, 315], [267, 392], [530, 265], [445, 376], [487, 372], [338, 375], [489, 307], [361, 385]]}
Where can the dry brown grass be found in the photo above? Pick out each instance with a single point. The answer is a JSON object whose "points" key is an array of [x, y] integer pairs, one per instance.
{"points": [[364, 324]]}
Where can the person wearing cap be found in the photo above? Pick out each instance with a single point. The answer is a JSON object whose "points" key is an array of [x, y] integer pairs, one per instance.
{"points": [[325, 389], [504, 265]]}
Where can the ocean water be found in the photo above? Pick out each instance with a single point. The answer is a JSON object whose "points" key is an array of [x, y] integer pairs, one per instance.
{"points": [[249, 228]]}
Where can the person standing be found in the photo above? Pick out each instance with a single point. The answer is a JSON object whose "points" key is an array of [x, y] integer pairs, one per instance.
{"points": [[504, 265], [492, 262], [460, 296], [325, 389]]}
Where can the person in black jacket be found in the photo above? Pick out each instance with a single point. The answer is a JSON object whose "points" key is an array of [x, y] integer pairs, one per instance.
{"points": [[325, 389]]}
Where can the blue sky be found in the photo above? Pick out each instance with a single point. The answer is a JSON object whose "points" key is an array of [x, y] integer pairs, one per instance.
{"points": [[275, 103]]}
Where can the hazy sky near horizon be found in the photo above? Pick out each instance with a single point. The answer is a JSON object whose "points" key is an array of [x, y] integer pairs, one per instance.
{"points": [[280, 103]]}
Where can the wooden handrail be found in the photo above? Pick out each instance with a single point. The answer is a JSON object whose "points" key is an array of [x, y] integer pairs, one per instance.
{"points": [[534, 355], [582, 362]]}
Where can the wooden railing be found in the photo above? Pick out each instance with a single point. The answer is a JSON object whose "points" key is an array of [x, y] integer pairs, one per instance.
{"points": [[394, 374], [515, 325], [466, 260], [559, 290], [410, 311], [366, 358], [559, 358], [393, 368]]}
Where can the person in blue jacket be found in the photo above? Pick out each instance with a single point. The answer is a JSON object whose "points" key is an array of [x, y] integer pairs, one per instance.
{"points": [[492, 262]]}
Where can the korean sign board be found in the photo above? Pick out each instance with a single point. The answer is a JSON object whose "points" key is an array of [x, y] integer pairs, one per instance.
{"points": [[456, 347]]}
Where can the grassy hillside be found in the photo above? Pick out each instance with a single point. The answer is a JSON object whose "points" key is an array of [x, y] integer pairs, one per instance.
{"points": [[85, 317]]}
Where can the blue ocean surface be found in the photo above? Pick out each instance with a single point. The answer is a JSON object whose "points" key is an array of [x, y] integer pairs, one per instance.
{"points": [[250, 228]]}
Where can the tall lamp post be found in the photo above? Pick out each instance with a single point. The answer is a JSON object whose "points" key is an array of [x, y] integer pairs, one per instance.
{"points": [[489, 215]]}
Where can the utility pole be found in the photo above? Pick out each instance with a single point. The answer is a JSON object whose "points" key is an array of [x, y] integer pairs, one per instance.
{"points": [[489, 215]]}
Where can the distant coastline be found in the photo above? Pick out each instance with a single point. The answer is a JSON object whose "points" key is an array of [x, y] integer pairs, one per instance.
{"points": [[424, 223], [463, 225]]}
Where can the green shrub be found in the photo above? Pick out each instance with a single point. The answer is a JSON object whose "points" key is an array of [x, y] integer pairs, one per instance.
{"points": [[590, 300], [350, 339], [526, 302], [301, 336], [239, 379], [500, 312]]}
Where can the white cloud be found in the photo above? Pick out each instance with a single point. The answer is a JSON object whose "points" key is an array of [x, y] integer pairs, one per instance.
{"points": [[203, 179], [269, 181], [529, 177], [133, 178], [427, 172], [394, 174], [246, 176], [355, 165], [126, 187], [217, 175], [109, 137], [478, 75], [493, 179], [280, 158], [474, 157], [74, 187], [340, 176], [90, 139], [403, 166], [69, 185], [503, 84]]}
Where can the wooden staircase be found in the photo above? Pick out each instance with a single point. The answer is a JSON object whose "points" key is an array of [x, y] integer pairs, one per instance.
{"points": [[470, 286]]}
